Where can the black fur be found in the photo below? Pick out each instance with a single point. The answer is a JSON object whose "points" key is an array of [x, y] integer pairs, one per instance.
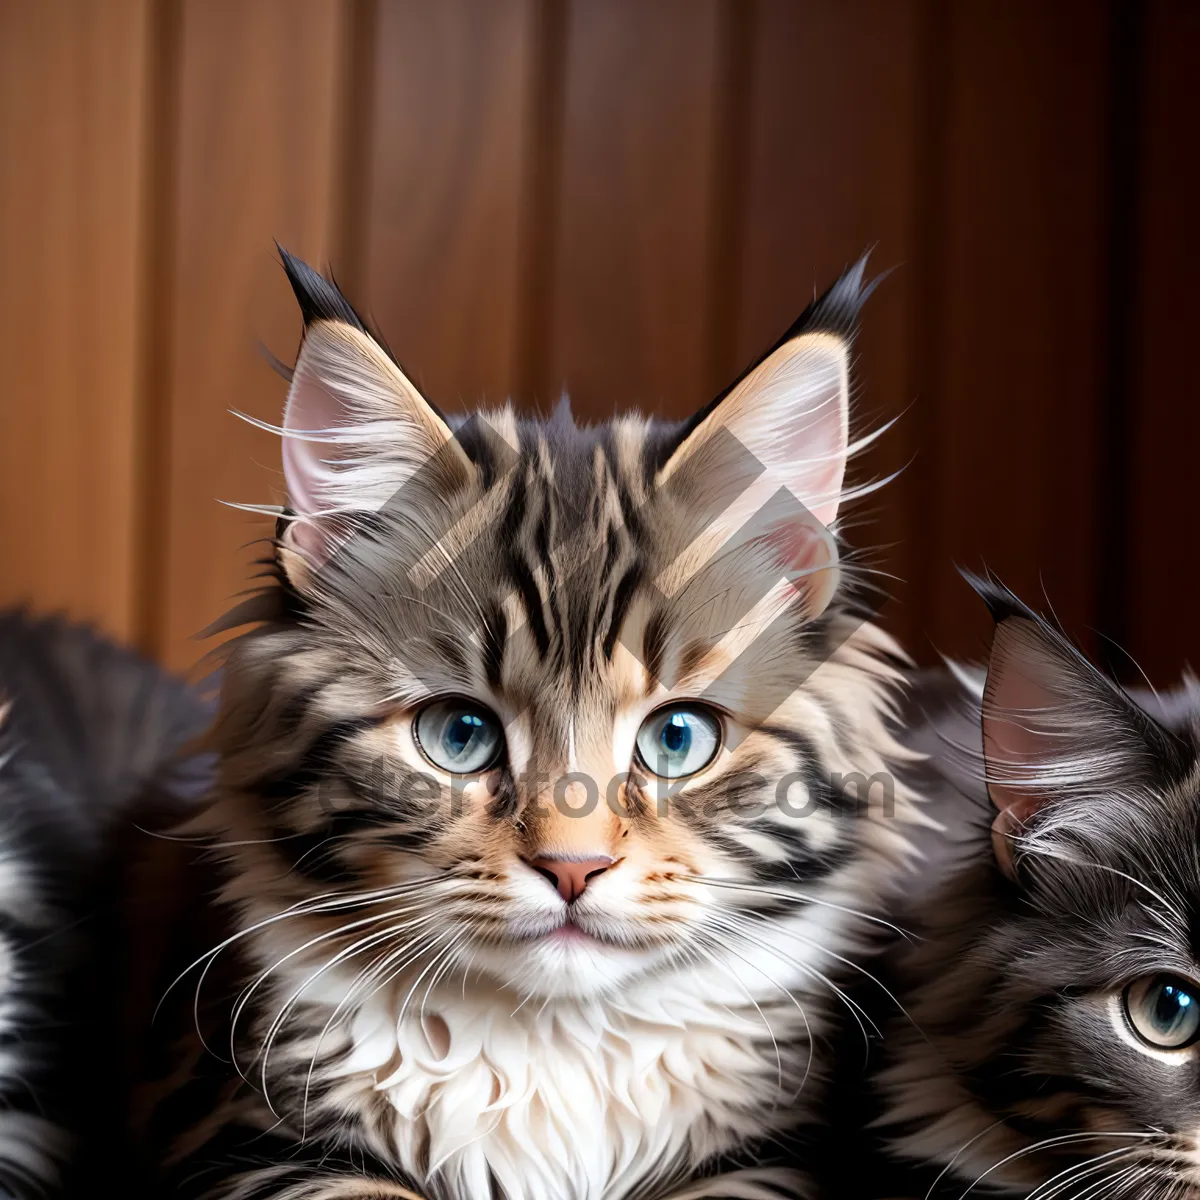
{"points": [[89, 729], [319, 299], [835, 311]]}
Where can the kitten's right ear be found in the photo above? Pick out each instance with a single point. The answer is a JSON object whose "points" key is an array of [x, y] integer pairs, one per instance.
{"points": [[789, 415], [355, 429], [1053, 725]]}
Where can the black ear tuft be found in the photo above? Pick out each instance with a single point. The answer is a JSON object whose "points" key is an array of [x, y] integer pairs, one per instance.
{"points": [[319, 299], [1072, 668], [837, 310], [1002, 603]]}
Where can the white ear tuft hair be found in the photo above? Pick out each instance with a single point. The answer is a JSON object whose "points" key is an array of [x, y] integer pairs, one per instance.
{"points": [[355, 431]]}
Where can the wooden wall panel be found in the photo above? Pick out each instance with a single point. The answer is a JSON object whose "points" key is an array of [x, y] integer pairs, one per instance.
{"points": [[628, 200], [1163, 569], [255, 146], [448, 165], [626, 316], [1014, 315], [72, 83], [831, 155]]}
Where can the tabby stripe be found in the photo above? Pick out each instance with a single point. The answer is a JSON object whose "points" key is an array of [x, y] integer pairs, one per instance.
{"points": [[532, 600], [495, 636], [630, 582], [817, 780], [804, 864]]}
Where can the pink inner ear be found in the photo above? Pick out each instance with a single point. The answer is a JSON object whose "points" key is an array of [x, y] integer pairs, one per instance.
{"points": [[1016, 739], [820, 444], [310, 407], [309, 540], [801, 547]]}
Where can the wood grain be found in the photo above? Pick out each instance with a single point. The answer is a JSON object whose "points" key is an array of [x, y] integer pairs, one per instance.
{"points": [[1164, 425], [627, 314], [258, 126], [831, 154], [448, 166], [1012, 371], [72, 82]]}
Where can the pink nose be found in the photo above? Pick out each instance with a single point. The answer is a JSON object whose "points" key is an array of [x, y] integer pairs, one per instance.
{"points": [[571, 878]]}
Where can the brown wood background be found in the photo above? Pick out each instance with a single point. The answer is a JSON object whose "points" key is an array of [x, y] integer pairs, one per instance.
{"points": [[628, 199]]}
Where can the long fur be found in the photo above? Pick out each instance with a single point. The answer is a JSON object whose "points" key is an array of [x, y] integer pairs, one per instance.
{"points": [[85, 728], [399, 1020], [1015, 1070]]}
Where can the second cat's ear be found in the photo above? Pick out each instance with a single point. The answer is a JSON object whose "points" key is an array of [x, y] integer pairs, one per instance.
{"points": [[787, 419], [355, 429], [1055, 728]]}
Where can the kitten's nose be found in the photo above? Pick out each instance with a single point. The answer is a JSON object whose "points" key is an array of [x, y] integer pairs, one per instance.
{"points": [[571, 877]]}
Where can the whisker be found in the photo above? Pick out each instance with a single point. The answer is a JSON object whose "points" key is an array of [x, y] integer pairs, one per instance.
{"points": [[804, 898], [362, 945], [807, 941], [389, 965], [416, 983], [341, 956], [1030, 846], [325, 902], [1046, 1143], [301, 908], [1077, 1172], [438, 975], [852, 1006], [340, 931], [1113, 1180], [762, 1016], [787, 992]]}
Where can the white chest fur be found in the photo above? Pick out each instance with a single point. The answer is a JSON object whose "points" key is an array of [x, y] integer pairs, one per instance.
{"points": [[573, 1100]]}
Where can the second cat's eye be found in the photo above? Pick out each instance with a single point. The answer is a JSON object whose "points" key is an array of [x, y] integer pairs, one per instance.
{"points": [[679, 740], [1164, 1011], [459, 736]]}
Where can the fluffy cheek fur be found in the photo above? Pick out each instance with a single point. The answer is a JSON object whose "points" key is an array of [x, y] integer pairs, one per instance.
{"points": [[490, 912], [451, 867]]}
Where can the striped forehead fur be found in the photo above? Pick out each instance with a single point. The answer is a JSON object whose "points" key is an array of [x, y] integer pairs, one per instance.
{"points": [[563, 577]]}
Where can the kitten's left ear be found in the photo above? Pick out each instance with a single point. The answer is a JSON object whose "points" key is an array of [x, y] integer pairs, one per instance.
{"points": [[1053, 725], [356, 430], [789, 413]]}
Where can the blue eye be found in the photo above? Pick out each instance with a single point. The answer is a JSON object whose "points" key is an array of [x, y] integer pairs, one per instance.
{"points": [[679, 740], [1164, 1010], [458, 736]]}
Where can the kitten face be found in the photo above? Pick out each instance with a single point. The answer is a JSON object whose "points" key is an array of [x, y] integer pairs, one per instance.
{"points": [[1061, 992], [393, 700], [1099, 978], [551, 692]]}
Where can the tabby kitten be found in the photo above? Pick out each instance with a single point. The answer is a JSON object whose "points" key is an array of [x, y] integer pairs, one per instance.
{"points": [[529, 812], [86, 729], [1054, 1042]]}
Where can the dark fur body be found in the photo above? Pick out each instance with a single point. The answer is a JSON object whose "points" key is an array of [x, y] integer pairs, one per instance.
{"points": [[89, 733]]}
